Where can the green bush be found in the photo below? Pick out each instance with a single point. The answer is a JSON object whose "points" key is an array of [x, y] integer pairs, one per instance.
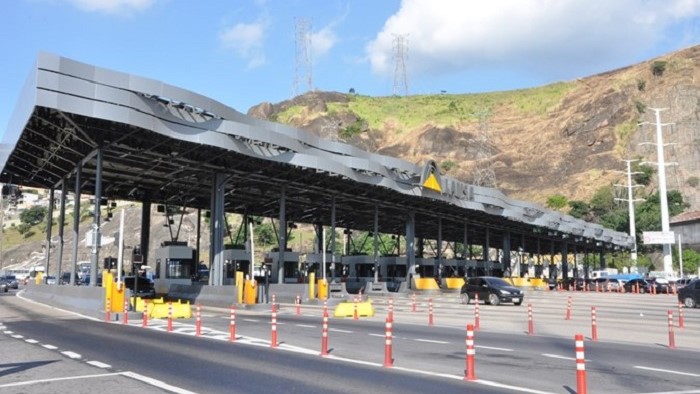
{"points": [[641, 85], [693, 181], [641, 108], [557, 201], [658, 68], [447, 165]]}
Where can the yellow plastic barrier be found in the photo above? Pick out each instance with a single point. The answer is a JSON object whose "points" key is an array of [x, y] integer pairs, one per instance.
{"points": [[454, 283], [239, 286], [312, 281], [160, 310], [322, 289], [426, 284], [347, 309], [114, 293], [39, 278], [251, 288]]}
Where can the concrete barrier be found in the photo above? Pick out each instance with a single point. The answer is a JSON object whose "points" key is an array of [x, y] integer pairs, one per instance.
{"points": [[216, 296], [86, 300], [288, 292]]}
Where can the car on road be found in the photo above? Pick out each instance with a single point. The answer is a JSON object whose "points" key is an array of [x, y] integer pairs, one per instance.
{"points": [[4, 288], [492, 290], [50, 280], [682, 282], [12, 281], [637, 284], [689, 294]]}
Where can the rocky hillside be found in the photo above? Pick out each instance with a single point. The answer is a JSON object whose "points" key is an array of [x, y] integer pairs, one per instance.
{"points": [[567, 138]]}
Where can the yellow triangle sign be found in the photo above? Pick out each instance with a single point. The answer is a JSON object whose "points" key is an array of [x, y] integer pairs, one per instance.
{"points": [[432, 183]]}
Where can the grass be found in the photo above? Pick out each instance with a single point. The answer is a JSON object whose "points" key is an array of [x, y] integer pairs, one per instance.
{"points": [[624, 132]]}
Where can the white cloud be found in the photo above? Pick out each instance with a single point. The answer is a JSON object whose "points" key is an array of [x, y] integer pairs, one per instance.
{"points": [[545, 37], [323, 41], [247, 40], [112, 6]]}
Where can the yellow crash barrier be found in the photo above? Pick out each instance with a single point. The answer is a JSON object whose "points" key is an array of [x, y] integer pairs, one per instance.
{"points": [[322, 289], [426, 284], [454, 283], [347, 309], [251, 292], [157, 309], [312, 281]]}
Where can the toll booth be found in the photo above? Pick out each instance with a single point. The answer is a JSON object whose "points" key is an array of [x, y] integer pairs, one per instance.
{"points": [[393, 269], [425, 267], [314, 261], [175, 264], [236, 259], [292, 272]]}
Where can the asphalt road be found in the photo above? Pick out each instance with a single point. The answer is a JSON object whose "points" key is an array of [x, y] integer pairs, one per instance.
{"points": [[631, 355]]}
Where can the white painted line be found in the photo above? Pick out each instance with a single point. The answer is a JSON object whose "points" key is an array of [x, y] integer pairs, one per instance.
{"points": [[668, 371], [28, 382], [377, 335], [558, 356], [431, 341], [494, 348], [31, 341], [252, 320], [8, 332], [157, 383], [305, 325], [50, 347], [71, 355], [17, 336], [99, 364], [339, 330]]}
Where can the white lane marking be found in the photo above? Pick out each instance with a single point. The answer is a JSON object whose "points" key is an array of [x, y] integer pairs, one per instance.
{"points": [[156, 383], [376, 335], [50, 347], [431, 341], [72, 355], [558, 356], [8, 332], [494, 348], [305, 325], [99, 364], [668, 371], [252, 320], [339, 330], [28, 382], [17, 336], [31, 341]]}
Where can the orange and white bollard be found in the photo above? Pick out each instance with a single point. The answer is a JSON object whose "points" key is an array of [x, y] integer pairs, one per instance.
{"points": [[325, 308], [681, 323], [297, 301], [273, 341], [594, 325], [391, 309], [144, 322], [354, 310], [108, 308], [198, 321], [580, 366], [671, 337], [413, 305], [476, 311], [530, 323], [568, 309], [170, 316], [232, 324], [126, 312], [324, 335], [388, 358], [274, 304], [430, 312], [469, 372]]}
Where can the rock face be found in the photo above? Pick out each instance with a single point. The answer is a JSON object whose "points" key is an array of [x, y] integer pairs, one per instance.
{"points": [[567, 138]]}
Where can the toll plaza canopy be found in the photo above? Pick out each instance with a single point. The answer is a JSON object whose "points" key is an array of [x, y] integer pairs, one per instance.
{"points": [[149, 141]]}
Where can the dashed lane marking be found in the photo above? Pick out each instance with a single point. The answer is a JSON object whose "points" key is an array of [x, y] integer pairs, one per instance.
{"points": [[494, 348], [305, 325], [50, 347], [16, 336], [339, 330], [29, 382], [72, 355], [668, 371], [431, 341], [32, 341], [99, 364]]}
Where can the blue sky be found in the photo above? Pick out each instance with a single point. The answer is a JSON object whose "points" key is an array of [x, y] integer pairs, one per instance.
{"points": [[242, 52]]}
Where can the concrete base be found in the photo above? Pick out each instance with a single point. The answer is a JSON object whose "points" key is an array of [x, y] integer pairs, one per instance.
{"points": [[86, 300], [217, 296]]}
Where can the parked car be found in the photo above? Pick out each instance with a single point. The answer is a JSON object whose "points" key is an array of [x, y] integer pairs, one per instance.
{"points": [[4, 288], [490, 289], [50, 280], [12, 281], [661, 285], [637, 283], [682, 282], [689, 294]]}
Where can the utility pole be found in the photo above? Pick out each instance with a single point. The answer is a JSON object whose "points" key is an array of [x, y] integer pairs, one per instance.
{"points": [[400, 54], [630, 205], [663, 198], [302, 61]]}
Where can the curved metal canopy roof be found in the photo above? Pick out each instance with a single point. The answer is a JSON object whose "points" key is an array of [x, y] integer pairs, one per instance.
{"points": [[165, 144]]}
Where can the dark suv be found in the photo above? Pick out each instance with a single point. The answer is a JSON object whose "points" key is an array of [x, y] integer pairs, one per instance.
{"points": [[689, 294], [490, 289]]}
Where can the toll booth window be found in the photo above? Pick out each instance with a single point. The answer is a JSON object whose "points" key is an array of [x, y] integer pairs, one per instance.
{"points": [[364, 270], [177, 269], [396, 271], [290, 269]]}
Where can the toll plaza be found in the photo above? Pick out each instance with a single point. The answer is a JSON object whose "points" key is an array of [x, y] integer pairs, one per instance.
{"points": [[87, 130]]}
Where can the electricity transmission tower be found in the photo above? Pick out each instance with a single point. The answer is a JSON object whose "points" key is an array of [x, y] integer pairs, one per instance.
{"points": [[400, 55], [484, 174], [630, 205], [302, 56]]}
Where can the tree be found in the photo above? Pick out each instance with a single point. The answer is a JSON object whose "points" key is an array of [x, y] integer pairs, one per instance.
{"points": [[646, 172], [691, 260], [603, 201], [33, 215], [579, 209]]}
